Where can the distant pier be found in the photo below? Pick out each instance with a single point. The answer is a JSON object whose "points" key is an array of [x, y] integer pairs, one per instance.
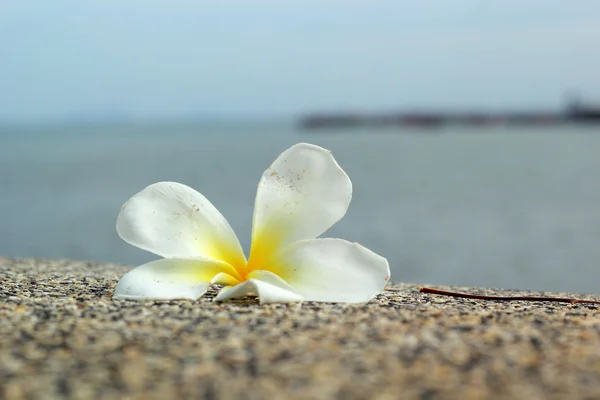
{"points": [[431, 120]]}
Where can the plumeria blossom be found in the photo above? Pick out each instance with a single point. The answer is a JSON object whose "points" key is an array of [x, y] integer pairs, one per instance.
{"points": [[301, 195]]}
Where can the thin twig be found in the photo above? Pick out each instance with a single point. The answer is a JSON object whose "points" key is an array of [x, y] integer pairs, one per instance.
{"points": [[505, 298]]}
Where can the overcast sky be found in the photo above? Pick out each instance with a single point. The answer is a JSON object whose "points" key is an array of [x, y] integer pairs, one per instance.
{"points": [[180, 58]]}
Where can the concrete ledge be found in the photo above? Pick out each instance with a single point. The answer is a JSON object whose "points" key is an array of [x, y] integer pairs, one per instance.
{"points": [[62, 336]]}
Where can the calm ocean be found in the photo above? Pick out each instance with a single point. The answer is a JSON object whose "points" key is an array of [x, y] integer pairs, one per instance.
{"points": [[499, 208]]}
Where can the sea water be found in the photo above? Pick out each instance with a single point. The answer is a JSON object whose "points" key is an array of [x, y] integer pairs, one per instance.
{"points": [[497, 207]]}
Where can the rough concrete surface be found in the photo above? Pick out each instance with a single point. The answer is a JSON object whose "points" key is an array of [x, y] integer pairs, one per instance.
{"points": [[62, 336]]}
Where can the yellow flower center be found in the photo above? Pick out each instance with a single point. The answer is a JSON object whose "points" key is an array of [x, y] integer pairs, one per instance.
{"points": [[265, 245]]}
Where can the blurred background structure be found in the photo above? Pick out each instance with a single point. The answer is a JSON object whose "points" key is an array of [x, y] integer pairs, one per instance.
{"points": [[100, 99]]}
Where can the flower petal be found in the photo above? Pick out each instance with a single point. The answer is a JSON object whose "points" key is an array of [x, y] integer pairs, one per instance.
{"points": [[169, 279], [175, 221], [267, 286], [331, 270], [225, 279], [301, 195], [271, 278]]}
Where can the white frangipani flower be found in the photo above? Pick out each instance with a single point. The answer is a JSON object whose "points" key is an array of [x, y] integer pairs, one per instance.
{"points": [[301, 195]]}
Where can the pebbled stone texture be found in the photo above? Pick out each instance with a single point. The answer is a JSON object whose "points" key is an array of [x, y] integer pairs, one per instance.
{"points": [[62, 336]]}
